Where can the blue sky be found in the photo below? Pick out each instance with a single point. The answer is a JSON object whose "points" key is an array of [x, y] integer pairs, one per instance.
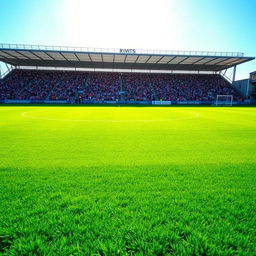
{"points": [[219, 25]]}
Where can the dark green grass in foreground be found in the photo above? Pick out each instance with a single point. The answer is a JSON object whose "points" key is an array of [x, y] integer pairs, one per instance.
{"points": [[127, 181]]}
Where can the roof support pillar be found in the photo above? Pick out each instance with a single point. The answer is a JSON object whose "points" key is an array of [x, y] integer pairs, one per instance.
{"points": [[248, 88], [234, 75], [7, 67]]}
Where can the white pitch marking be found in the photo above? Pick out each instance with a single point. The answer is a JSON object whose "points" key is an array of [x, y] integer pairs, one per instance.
{"points": [[195, 115]]}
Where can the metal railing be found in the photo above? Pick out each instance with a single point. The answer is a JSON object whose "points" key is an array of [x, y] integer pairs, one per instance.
{"points": [[118, 50]]}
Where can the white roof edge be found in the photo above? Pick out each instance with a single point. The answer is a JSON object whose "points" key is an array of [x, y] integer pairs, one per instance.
{"points": [[118, 50]]}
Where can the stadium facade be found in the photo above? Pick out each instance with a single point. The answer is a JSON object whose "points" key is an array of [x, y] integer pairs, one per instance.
{"points": [[252, 87], [50, 74]]}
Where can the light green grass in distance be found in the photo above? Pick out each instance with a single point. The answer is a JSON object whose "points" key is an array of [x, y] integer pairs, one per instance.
{"points": [[127, 181]]}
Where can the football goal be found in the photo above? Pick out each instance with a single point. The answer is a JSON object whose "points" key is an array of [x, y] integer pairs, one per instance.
{"points": [[224, 100]]}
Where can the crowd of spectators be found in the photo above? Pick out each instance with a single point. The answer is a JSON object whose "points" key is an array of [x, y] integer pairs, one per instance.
{"points": [[137, 86], [104, 86], [101, 86], [68, 86], [42, 85], [39, 85], [14, 83], [188, 87]]}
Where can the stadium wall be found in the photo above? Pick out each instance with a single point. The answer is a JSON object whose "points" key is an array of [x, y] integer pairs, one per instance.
{"points": [[131, 102], [242, 86]]}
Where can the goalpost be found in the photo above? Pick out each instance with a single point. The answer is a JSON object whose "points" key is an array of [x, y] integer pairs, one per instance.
{"points": [[226, 100]]}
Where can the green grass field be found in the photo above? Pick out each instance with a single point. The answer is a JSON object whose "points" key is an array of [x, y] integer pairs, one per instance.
{"points": [[127, 180]]}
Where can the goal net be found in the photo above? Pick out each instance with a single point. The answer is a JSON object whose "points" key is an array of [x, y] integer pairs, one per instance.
{"points": [[225, 100]]}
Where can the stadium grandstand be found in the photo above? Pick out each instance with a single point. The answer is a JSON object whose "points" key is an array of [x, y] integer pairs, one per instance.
{"points": [[49, 74]]}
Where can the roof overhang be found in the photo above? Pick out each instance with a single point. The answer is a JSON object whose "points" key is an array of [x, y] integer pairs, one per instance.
{"points": [[118, 58]]}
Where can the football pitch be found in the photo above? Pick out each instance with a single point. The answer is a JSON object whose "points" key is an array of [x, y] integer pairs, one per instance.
{"points": [[108, 180]]}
